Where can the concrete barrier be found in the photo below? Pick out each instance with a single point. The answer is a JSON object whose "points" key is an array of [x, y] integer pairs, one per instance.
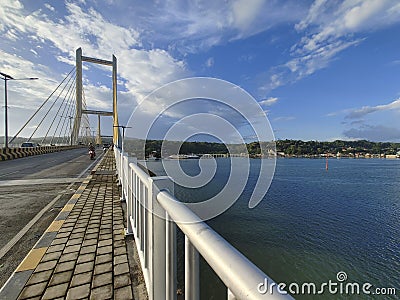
{"points": [[14, 153]]}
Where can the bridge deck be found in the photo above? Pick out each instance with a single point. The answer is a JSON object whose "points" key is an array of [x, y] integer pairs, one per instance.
{"points": [[83, 253]]}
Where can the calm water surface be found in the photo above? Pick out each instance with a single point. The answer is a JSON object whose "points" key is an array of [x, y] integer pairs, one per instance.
{"points": [[312, 223]]}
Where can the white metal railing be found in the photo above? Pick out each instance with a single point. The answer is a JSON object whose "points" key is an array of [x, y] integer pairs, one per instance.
{"points": [[155, 237]]}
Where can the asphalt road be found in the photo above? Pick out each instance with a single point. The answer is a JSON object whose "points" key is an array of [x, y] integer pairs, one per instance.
{"points": [[27, 186]]}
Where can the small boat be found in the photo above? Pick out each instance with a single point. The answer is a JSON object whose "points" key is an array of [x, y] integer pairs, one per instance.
{"points": [[177, 156], [184, 156], [152, 156]]}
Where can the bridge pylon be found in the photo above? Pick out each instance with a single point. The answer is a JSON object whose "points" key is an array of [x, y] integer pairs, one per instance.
{"points": [[98, 137], [79, 95]]}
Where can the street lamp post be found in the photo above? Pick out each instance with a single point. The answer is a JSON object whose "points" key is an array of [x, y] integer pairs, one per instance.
{"points": [[6, 78], [93, 137], [87, 134], [70, 129], [123, 136]]}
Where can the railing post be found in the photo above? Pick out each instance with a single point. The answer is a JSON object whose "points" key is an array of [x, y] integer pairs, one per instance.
{"points": [[239, 274], [157, 238], [116, 154], [121, 155], [171, 274], [122, 182], [124, 176], [192, 281], [137, 203], [141, 204], [131, 196]]}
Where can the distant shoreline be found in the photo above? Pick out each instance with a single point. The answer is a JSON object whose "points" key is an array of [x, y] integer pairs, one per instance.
{"points": [[280, 148]]}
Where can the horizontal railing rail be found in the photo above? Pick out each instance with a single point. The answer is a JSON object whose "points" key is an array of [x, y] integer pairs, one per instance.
{"points": [[153, 213]]}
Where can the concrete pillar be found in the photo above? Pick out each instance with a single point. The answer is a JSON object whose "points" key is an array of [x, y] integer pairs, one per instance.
{"points": [[98, 138]]}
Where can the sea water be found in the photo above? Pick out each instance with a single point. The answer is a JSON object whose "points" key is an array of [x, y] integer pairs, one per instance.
{"points": [[312, 224]]}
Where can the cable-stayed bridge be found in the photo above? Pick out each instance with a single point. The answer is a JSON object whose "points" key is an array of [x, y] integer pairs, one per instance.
{"points": [[97, 248], [63, 118]]}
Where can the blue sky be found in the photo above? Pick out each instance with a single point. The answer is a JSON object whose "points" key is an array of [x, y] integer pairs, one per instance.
{"points": [[322, 70]]}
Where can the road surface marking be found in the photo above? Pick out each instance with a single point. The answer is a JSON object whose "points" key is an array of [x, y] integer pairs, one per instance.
{"points": [[19, 235], [68, 207], [55, 226], [75, 196], [24, 230], [32, 259], [38, 181]]}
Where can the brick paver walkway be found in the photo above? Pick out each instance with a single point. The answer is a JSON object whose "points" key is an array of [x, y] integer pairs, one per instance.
{"points": [[83, 253]]}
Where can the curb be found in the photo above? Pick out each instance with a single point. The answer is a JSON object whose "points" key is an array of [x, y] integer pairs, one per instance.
{"points": [[14, 153]]}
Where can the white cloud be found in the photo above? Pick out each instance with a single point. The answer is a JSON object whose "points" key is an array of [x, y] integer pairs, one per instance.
{"points": [[66, 60], [357, 114], [93, 94], [329, 28], [365, 110], [313, 15], [192, 26], [86, 29], [303, 66], [268, 102], [49, 7], [210, 62], [274, 81], [245, 12], [378, 133], [141, 70], [337, 18], [283, 119], [18, 67], [361, 127], [11, 34], [10, 15]]}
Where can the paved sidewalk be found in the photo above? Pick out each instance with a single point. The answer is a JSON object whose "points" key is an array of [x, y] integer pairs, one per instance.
{"points": [[83, 253]]}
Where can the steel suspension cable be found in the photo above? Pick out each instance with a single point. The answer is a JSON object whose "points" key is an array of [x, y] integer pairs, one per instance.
{"points": [[85, 122], [63, 132], [27, 122], [63, 115], [41, 121], [86, 117], [59, 108], [70, 108]]}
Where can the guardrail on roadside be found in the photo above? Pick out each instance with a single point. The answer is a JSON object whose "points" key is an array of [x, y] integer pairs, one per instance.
{"points": [[14, 153], [155, 237]]}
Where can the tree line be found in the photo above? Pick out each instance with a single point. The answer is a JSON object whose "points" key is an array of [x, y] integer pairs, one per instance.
{"points": [[288, 147], [299, 147]]}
